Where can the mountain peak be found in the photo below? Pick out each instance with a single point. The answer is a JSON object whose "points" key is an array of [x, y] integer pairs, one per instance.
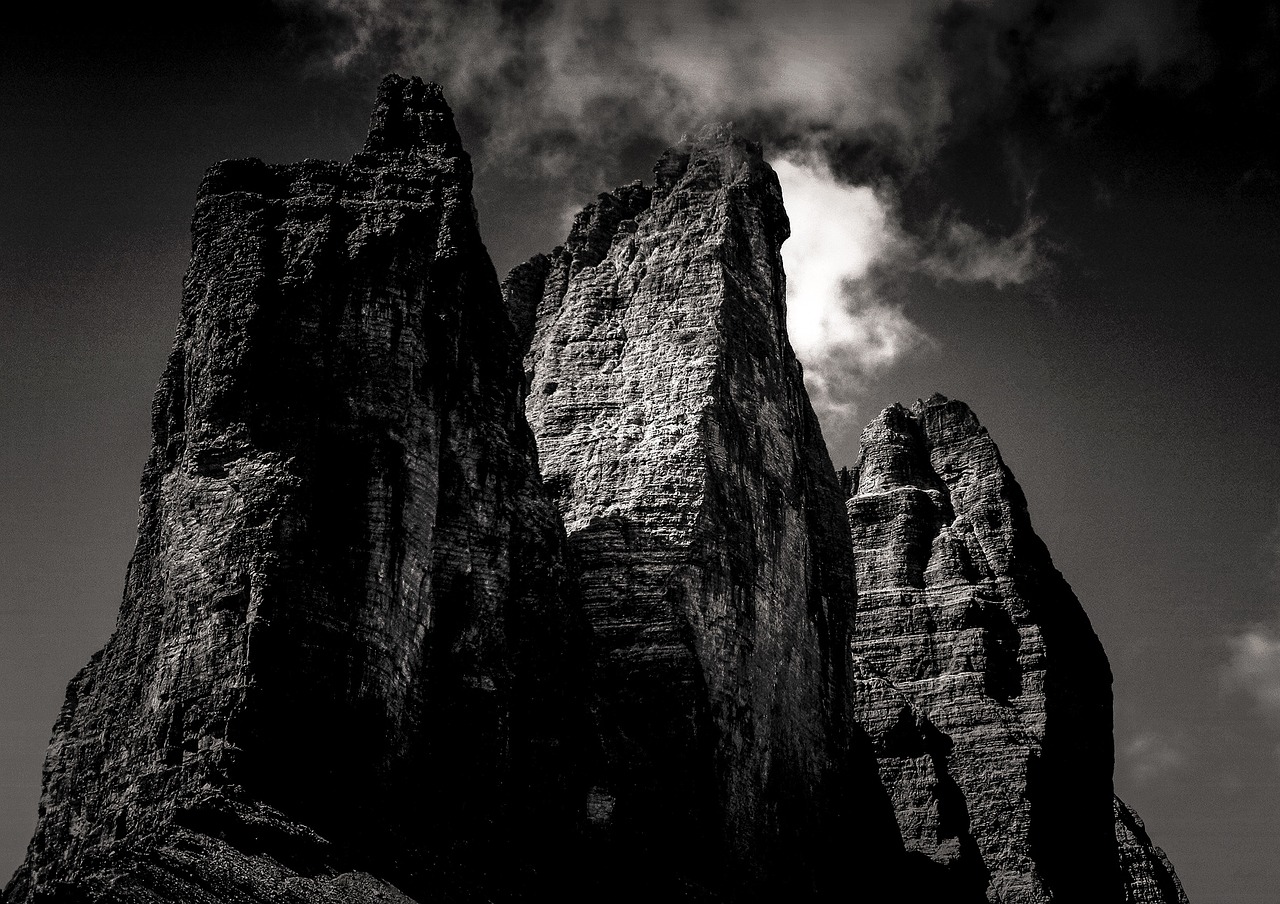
{"points": [[411, 115], [719, 158]]}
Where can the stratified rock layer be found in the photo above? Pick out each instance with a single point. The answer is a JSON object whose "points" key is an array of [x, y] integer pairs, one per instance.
{"points": [[985, 689], [1149, 876], [943, 862], [675, 433], [346, 635]]}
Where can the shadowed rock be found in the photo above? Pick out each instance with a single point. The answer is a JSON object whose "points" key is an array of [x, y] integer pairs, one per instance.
{"points": [[347, 635]]}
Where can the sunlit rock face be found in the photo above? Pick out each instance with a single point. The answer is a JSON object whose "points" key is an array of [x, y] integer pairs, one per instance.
{"points": [[346, 640], [675, 433], [984, 688], [1149, 876]]}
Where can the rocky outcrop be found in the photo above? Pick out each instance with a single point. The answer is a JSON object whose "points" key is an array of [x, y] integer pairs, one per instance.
{"points": [[987, 691], [360, 659], [1149, 876], [676, 436], [347, 640]]}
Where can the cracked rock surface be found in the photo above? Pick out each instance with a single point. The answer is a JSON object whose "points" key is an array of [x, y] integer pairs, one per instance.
{"points": [[1149, 876]]}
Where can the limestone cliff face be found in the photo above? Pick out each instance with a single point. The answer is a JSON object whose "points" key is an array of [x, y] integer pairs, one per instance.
{"points": [[675, 433], [984, 687], [347, 629]]}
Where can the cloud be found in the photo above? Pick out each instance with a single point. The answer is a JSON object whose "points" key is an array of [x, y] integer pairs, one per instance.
{"points": [[847, 245], [1152, 754], [856, 97], [563, 82], [1253, 660], [841, 326], [579, 76], [1254, 667], [959, 252]]}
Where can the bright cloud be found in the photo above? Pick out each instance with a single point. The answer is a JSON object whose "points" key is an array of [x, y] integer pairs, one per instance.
{"points": [[841, 328], [837, 232]]}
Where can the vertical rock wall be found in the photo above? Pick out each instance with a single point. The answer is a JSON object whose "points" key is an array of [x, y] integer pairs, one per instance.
{"points": [[675, 433], [347, 629]]}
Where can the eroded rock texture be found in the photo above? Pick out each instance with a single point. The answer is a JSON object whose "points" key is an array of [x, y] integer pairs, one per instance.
{"points": [[675, 433], [346, 634], [983, 685], [1149, 876]]}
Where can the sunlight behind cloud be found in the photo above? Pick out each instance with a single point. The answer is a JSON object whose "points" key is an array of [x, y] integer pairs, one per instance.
{"points": [[837, 231], [841, 328]]}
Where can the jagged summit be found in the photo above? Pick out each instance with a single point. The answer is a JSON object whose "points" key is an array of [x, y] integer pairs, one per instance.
{"points": [[411, 115], [935, 398], [719, 157], [963, 616], [895, 446], [378, 645], [733, 153]]}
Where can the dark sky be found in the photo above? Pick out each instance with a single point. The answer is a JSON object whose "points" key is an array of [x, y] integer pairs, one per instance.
{"points": [[1065, 215]]}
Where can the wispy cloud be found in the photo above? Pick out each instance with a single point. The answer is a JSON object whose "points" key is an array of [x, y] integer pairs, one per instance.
{"points": [[1253, 664], [960, 252], [1151, 755], [1254, 667]]}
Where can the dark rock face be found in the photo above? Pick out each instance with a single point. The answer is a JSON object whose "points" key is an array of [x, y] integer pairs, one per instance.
{"points": [[1149, 876], [983, 685], [347, 634], [675, 432]]}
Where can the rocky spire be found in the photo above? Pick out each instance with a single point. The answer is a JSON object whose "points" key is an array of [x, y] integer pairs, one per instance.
{"points": [[674, 430], [347, 634], [966, 627], [411, 116]]}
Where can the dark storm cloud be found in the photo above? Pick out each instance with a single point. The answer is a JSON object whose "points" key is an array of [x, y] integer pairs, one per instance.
{"points": [[881, 94], [885, 83]]}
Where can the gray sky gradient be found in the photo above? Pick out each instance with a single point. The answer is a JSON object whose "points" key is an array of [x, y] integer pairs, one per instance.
{"points": [[1115, 158]]}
